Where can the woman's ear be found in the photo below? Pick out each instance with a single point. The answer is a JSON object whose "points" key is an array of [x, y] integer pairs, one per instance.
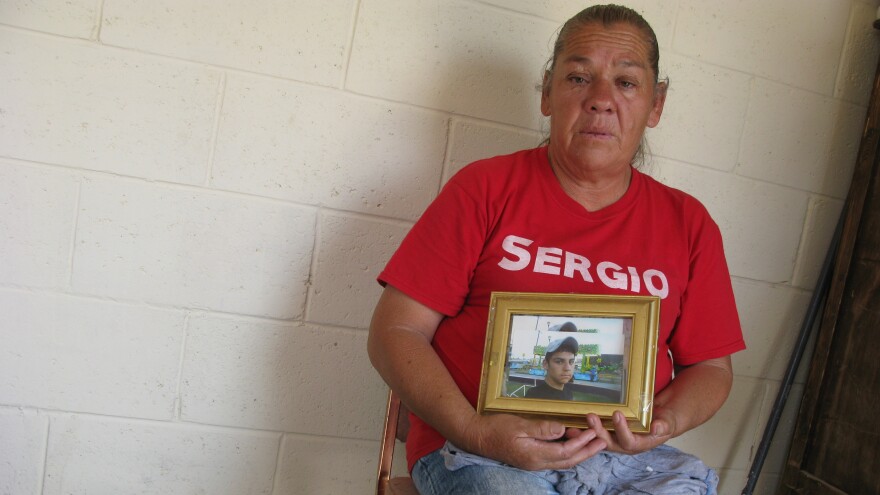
{"points": [[545, 93], [659, 101]]}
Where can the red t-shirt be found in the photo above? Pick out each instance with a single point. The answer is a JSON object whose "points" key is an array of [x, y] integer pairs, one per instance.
{"points": [[505, 224]]}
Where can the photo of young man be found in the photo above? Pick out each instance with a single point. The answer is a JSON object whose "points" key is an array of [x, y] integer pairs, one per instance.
{"points": [[558, 364]]}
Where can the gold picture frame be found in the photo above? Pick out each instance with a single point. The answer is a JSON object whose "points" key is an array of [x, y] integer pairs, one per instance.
{"points": [[613, 369]]}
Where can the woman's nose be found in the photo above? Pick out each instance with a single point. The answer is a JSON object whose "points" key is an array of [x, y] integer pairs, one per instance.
{"points": [[599, 97]]}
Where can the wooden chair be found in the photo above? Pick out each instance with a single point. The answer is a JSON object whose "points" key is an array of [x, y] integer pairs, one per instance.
{"points": [[396, 428]]}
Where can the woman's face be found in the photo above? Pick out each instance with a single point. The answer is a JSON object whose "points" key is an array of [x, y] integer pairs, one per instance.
{"points": [[600, 97]]}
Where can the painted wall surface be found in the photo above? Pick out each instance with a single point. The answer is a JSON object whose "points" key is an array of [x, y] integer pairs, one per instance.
{"points": [[196, 197]]}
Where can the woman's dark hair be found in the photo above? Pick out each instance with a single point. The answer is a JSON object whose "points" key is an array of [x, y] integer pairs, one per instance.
{"points": [[608, 15]]}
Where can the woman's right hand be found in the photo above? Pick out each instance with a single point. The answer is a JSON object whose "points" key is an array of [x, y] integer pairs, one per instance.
{"points": [[528, 443], [399, 346]]}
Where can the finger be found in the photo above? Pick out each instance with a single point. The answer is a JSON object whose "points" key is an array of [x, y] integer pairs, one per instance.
{"points": [[625, 437], [660, 428], [581, 454], [570, 446], [560, 451], [597, 426], [545, 430], [572, 432], [542, 454]]}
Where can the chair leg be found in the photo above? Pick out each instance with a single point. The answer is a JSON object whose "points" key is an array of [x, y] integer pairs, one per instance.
{"points": [[392, 411]]}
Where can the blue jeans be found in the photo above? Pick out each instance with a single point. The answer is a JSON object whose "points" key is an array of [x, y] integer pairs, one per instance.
{"points": [[662, 470], [432, 478]]}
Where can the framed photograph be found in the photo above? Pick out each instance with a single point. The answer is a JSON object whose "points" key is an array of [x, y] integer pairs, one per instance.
{"points": [[561, 356]]}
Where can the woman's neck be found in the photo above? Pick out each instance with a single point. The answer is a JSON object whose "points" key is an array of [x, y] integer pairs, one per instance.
{"points": [[593, 190]]}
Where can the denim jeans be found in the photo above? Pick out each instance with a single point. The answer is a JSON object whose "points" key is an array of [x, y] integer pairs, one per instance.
{"points": [[662, 470], [431, 477]]}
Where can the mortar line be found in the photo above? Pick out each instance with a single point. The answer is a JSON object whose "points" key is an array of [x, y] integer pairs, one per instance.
{"points": [[74, 228], [516, 13], [349, 47], [838, 73], [447, 151], [178, 400], [275, 476], [218, 111], [803, 240], [313, 266], [673, 31], [42, 487], [99, 21]]}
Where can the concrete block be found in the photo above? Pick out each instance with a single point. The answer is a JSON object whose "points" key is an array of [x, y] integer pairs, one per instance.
{"points": [[761, 223], [725, 441], [691, 128], [731, 481], [83, 105], [556, 10], [37, 212], [771, 318], [312, 465], [470, 141], [328, 148], [351, 253], [822, 217], [109, 456], [23, 437], [192, 248], [734, 480], [858, 64], [76, 354], [800, 139], [73, 18], [299, 379], [296, 39], [661, 16], [747, 36], [458, 56]]}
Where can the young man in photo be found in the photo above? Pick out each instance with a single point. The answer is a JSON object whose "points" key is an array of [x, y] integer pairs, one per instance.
{"points": [[559, 367]]}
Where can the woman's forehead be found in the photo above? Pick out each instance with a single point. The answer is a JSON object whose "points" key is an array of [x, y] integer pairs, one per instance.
{"points": [[626, 44]]}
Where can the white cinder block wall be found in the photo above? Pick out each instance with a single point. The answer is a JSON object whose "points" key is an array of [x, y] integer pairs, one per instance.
{"points": [[196, 196]]}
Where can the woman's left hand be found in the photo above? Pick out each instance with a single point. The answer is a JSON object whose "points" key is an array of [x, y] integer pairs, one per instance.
{"points": [[695, 394], [623, 440]]}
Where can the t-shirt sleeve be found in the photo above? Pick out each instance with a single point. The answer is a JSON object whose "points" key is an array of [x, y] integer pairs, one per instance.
{"points": [[436, 260], [708, 326]]}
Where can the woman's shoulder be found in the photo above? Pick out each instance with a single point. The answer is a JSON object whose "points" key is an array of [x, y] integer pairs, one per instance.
{"points": [[663, 194], [506, 167]]}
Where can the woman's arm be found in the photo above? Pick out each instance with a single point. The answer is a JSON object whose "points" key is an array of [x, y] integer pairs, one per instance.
{"points": [[400, 349], [694, 396]]}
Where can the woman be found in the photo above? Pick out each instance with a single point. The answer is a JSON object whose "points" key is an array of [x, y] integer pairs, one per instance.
{"points": [[574, 216]]}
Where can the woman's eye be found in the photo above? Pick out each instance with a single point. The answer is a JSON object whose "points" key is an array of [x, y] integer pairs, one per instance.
{"points": [[577, 79]]}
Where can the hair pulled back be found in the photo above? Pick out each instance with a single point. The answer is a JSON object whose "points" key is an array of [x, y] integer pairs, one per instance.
{"points": [[607, 16]]}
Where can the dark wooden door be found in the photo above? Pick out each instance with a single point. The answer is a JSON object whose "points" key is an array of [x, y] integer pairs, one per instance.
{"points": [[836, 443]]}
